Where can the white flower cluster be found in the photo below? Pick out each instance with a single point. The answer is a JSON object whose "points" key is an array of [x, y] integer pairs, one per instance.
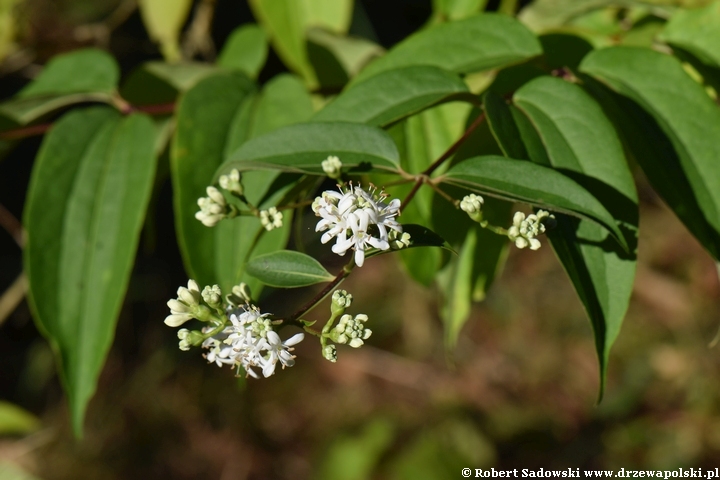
{"points": [[472, 204], [525, 229], [213, 208], [350, 214], [332, 166], [247, 340], [250, 342]]}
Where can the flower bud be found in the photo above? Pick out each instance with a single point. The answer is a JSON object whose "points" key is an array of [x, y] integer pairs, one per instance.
{"points": [[329, 352], [341, 300], [332, 166]]}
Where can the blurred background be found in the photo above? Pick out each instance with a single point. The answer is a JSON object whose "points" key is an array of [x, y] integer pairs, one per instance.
{"points": [[520, 391]]}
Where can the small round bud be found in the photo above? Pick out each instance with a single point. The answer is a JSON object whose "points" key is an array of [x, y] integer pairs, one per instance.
{"points": [[332, 166], [271, 218], [231, 182], [212, 295], [329, 352]]}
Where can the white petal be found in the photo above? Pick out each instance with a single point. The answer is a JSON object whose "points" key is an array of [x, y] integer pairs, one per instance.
{"points": [[294, 340], [359, 257]]}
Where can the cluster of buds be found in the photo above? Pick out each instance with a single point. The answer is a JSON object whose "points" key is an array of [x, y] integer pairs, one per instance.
{"points": [[235, 333], [524, 230], [349, 330], [332, 166], [271, 218], [213, 208], [231, 182], [472, 205], [357, 219]]}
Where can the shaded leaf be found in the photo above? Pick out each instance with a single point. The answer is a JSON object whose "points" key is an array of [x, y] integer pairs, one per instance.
{"points": [[288, 269], [686, 115], [88, 194], [337, 58], [477, 43], [159, 82], [696, 31], [582, 142], [15, 420], [394, 94]]}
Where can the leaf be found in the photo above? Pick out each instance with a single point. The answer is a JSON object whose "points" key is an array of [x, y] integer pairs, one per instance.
{"points": [[582, 142], [335, 15], [685, 114], [337, 58], [301, 148], [8, 27], [458, 9], [59, 85], [87, 199], [164, 19], [159, 82], [394, 94], [284, 22], [15, 420], [697, 31], [477, 43], [100, 73], [526, 182], [288, 269], [204, 116], [503, 126], [245, 50], [283, 101], [457, 288]]}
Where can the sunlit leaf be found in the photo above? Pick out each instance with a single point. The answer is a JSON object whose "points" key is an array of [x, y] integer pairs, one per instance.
{"points": [[164, 20], [288, 269], [245, 50]]}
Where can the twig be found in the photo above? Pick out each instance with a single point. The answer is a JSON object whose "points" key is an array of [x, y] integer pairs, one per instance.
{"points": [[453, 148], [420, 180], [12, 297], [24, 132], [12, 225], [322, 294]]}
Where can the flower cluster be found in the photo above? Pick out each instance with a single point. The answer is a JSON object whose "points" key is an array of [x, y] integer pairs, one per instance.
{"points": [[213, 208], [234, 335], [250, 342], [351, 330], [332, 166], [524, 229], [271, 218], [357, 219]]}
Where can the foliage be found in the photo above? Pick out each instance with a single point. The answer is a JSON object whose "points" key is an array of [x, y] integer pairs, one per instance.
{"points": [[474, 102]]}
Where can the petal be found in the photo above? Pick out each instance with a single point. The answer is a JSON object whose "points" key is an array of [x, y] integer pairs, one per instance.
{"points": [[359, 257], [294, 340]]}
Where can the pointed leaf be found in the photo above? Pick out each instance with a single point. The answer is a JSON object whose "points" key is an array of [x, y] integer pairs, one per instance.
{"points": [[523, 181], [582, 142], [163, 20], [88, 194], [245, 50], [685, 114], [59, 85], [503, 126], [697, 31], [288, 269], [394, 94], [477, 43], [301, 148]]}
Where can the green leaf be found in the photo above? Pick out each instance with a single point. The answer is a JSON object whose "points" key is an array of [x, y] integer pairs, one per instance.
{"points": [[337, 58], [697, 31], [582, 142], [457, 287], [245, 50], [87, 199], [15, 420], [503, 126], [288, 269], [477, 43], [100, 73], [301, 148], [163, 20], [59, 85], [458, 9], [526, 182], [159, 82], [285, 22], [395, 94], [283, 101], [204, 117], [685, 114]]}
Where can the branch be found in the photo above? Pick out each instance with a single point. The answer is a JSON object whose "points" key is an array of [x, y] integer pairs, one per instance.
{"points": [[322, 294], [453, 148]]}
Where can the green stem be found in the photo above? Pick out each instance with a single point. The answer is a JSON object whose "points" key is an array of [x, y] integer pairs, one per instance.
{"points": [[323, 293], [498, 230]]}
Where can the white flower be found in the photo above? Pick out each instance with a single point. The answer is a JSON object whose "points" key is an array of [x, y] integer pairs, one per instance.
{"points": [[332, 167], [279, 350], [271, 218], [357, 214], [360, 240], [525, 230]]}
